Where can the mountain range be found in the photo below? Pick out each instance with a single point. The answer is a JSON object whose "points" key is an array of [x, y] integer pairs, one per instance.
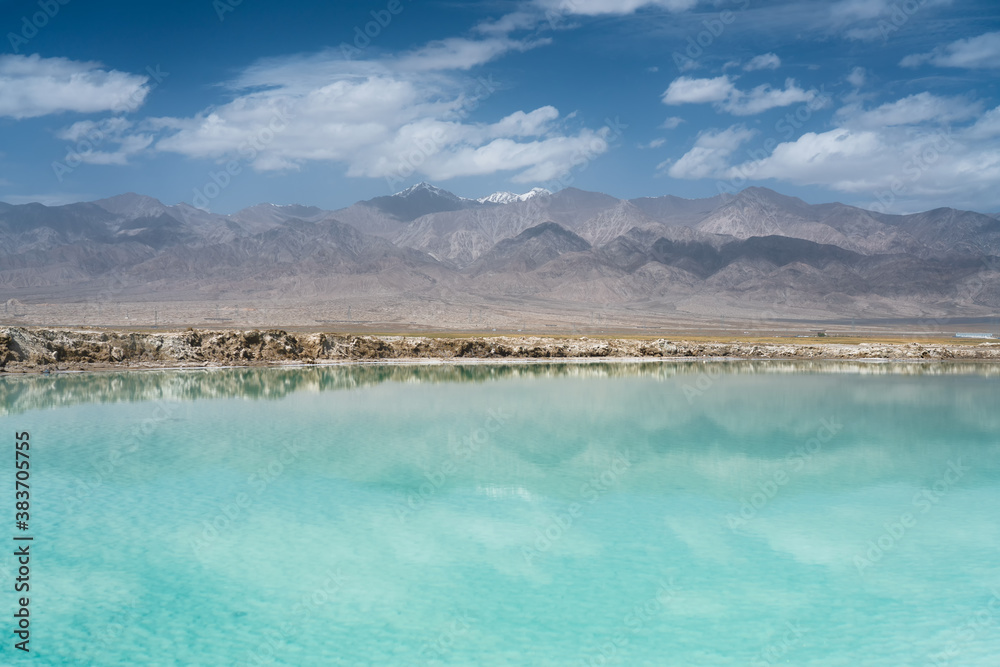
{"points": [[427, 257]]}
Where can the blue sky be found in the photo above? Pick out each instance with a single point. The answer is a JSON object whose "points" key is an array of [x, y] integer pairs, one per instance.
{"points": [[884, 104]]}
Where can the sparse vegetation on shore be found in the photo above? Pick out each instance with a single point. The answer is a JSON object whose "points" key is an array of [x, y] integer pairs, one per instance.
{"points": [[40, 349]]}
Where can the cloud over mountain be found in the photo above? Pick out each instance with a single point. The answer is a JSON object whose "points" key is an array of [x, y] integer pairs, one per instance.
{"points": [[32, 86]]}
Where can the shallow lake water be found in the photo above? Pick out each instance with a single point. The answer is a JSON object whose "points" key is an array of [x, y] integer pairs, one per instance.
{"points": [[745, 513]]}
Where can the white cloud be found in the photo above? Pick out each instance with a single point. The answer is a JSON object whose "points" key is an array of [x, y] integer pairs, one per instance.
{"points": [[885, 166], [857, 77], [88, 129], [655, 143], [520, 124], [725, 95], [508, 23], [539, 160], [764, 97], [763, 61], [833, 156], [869, 20], [848, 11], [671, 123], [303, 73], [392, 118], [710, 154], [912, 110], [342, 121], [685, 90], [32, 86], [90, 141], [904, 155], [459, 53], [987, 127], [973, 53], [689, 65], [620, 7]]}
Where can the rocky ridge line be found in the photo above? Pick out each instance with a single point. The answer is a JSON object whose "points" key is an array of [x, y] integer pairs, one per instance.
{"points": [[34, 349]]}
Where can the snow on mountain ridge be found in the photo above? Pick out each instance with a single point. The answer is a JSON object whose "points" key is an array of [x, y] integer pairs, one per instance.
{"points": [[502, 197], [505, 197], [424, 186]]}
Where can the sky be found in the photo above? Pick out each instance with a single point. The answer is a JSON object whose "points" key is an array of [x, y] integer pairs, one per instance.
{"points": [[889, 105]]}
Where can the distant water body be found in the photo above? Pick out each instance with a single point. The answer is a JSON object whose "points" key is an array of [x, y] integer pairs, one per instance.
{"points": [[581, 514]]}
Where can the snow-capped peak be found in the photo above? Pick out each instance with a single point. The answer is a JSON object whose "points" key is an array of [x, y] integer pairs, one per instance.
{"points": [[510, 197], [427, 187]]}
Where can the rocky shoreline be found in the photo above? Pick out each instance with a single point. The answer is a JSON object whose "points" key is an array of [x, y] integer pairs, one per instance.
{"points": [[39, 349]]}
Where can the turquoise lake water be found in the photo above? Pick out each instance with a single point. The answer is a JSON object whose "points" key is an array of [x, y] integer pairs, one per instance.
{"points": [[582, 514]]}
